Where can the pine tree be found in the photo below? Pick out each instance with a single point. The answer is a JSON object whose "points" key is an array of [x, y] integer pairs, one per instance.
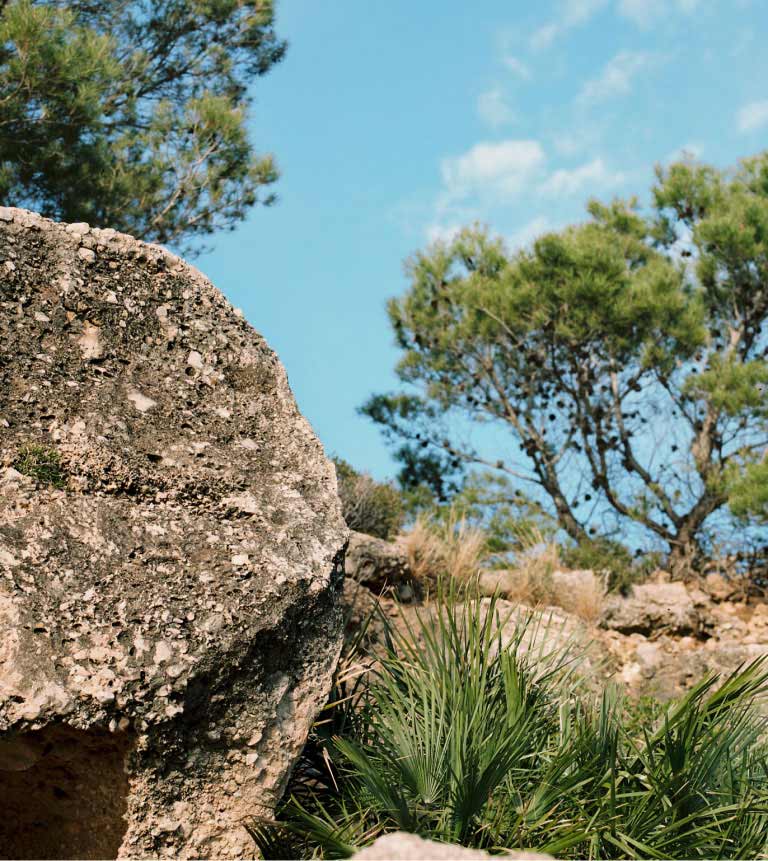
{"points": [[132, 113], [624, 358]]}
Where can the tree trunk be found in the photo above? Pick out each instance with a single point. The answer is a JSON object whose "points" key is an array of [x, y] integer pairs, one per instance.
{"points": [[685, 547]]}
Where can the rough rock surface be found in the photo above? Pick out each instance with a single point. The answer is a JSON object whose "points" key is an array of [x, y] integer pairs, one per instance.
{"points": [[665, 666], [400, 846], [656, 608], [169, 581], [377, 564]]}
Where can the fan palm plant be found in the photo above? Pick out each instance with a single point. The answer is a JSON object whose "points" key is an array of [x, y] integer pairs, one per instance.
{"points": [[475, 729]]}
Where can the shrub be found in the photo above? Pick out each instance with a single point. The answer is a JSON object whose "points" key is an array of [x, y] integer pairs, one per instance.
{"points": [[369, 506], [607, 558], [480, 739], [41, 463]]}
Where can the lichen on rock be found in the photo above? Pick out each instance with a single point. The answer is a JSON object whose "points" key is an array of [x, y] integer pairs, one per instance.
{"points": [[179, 586]]}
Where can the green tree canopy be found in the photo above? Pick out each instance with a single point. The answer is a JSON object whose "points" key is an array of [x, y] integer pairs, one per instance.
{"points": [[131, 113], [624, 357]]}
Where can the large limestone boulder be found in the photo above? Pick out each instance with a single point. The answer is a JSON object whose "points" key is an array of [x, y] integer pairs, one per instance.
{"points": [[170, 541]]}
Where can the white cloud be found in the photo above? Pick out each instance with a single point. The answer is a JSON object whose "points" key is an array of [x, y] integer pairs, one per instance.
{"points": [[645, 12], [493, 108], [616, 78], [545, 36], [593, 175], [517, 67], [497, 170], [443, 232], [525, 236], [752, 116], [571, 14]]}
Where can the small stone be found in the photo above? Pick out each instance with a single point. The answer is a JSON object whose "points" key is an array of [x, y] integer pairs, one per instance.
{"points": [[141, 402], [90, 344], [162, 652]]}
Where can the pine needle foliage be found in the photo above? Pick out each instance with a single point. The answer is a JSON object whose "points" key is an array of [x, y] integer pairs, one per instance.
{"points": [[133, 114], [475, 730]]}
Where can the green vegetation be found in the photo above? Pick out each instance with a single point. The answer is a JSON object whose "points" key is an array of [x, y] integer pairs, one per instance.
{"points": [[624, 358], [41, 463], [491, 742], [491, 503], [612, 559], [131, 114]]}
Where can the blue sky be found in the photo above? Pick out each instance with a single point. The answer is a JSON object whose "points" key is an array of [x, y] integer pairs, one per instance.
{"points": [[395, 123]]}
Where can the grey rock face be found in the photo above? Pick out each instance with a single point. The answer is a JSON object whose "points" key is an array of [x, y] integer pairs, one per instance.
{"points": [[658, 608], [376, 564], [170, 561]]}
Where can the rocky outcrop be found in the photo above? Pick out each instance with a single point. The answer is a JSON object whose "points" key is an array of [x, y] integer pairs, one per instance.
{"points": [[378, 564], [170, 541], [665, 666], [659, 608], [401, 846]]}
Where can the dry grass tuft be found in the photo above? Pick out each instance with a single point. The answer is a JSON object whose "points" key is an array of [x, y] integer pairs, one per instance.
{"points": [[451, 548], [536, 563], [541, 580], [454, 549], [581, 593]]}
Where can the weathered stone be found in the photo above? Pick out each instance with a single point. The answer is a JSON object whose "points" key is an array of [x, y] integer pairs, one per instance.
{"points": [[500, 581], [169, 582], [400, 846], [377, 564], [720, 588], [667, 667], [656, 608]]}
